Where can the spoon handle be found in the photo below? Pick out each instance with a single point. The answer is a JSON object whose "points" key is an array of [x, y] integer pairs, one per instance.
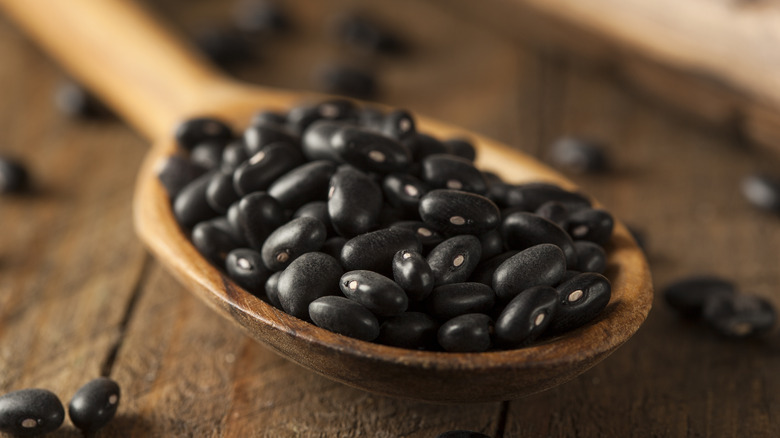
{"points": [[152, 77]]}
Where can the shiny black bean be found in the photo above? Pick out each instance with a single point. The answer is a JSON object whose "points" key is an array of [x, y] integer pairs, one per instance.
{"points": [[445, 171], [404, 191], [269, 117], [258, 136], [412, 272], [94, 404], [370, 117], [214, 239], [344, 316], [462, 148], [73, 100], [207, 154], [492, 244], [333, 246], [301, 117], [591, 257], [291, 240], [233, 156], [580, 299], [462, 434], [413, 330], [762, 191], [303, 184], [30, 412], [453, 260], [176, 172], [256, 216], [245, 267], [354, 202], [540, 265], [523, 230], [220, 193], [379, 294], [265, 167], [272, 289], [427, 236], [310, 276], [422, 145], [578, 155], [374, 251], [451, 300], [468, 333], [399, 125], [739, 316], [200, 129], [338, 109], [457, 212], [689, 294], [347, 81], [594, 225], [531, 196], [527, 316], [556, 212], [370, 151], [319, 210], [190, 205], [13, 176], [483, 273], [316, 140], [568, 275]]}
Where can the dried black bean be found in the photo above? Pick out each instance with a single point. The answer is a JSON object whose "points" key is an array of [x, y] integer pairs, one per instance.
{"points": [[556, 212], [197, 130], [74, 100], [289, 241], [374, 251], [233, 156], [207, 154], [303, 184], [220, 193], [457, 212], [265, 167], [255, 216], [466, 333], [13, 176], [347, 81], [445, 171], [453, 260], [316, 140], [245, 267], [370, 151], [30, 412], [333, 246], [763, 191], [578, 155], [190, 205], [258, 136], [462, 148], [338, 109], [269, 117], [398, 124], [413, 330], [594, 225], [301, 117], [423, 145], [427, 236], [175, 172], [319, 210], [214, 239], [462, 434], [522, 230], [483, 273], [94, 404], [354, 202], [492, 244], [451, 300], [688, 295], [344, 316], [404, 191], [580, 299], [591, 257], [527, 315], [412, 272], [379, 294], [310, 276], [531, 196], [739, 316], [272, 289], [540, 265]]}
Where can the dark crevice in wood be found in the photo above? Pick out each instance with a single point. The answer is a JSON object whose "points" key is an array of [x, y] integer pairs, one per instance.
{"points": [[503, 418], [108, 362]]}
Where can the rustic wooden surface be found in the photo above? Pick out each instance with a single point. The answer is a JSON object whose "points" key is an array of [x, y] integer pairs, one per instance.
{"points": [[79, 296]]}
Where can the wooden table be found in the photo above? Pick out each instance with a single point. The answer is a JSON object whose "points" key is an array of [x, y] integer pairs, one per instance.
{"points": [[80, 297]]}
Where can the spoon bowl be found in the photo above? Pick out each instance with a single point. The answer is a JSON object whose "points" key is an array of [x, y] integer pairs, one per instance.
{"points": [[166, 82]]}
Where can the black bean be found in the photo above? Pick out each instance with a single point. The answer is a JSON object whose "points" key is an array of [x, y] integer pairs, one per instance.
{"points": [[522, 230], [301, 117], [527, 316], [245, 267], [445, 171], [580, 299], [260, 17], [220, 193], [462, 434], [319, 210], [303, 184], [739, 316], [466, 333], [190, 205], [310, 276], [457, 212], [255, 217], [214, 239], [344, 316], [540, 265], [370, 117], [404, 191], [379, 294], [233, 156], [578, 155], [200, 129], [223, 46], [568, 275], [94, 404], [594, 225], [413, 330], [291, 240], [272, 289], [207, 154], [13, 176], [688, 295], [364, 33], [412, 272], [269, 117], [265, 167], [462, 148], [483, 273], [451, 300], [531, 196], [423, 145], [370, 151], [398, 124], [427, 236], [347, 81], [333, 246], [453, 260], [354, 202], [316, 140], [556, 212], [591, 257], [176, 172], [74, 100], [492, 177], [30, 412], [492, 244], [258, 136], [374, 251], [763, 191]]}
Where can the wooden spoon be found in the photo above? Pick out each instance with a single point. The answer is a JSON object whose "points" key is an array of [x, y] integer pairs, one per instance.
{"points": [[155, 80]]}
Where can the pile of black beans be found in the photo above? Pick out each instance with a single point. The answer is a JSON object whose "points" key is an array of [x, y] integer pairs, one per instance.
{"points": [[350, 218]]}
